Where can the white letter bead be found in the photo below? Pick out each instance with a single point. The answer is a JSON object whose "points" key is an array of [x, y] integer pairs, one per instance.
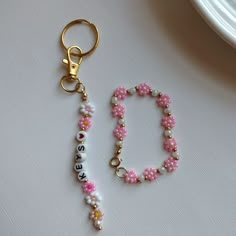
{"points": [[114, 100], [78, 167], [80, 157], [81, 136], [121, 121], [154, 93], [81, 148], [168, 133], [82, 176], [132, 91]]}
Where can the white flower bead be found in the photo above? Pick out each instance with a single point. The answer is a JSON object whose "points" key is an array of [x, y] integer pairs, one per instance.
{"points": [[82, 148], [121, 121], [168, 133], [132, 91], [167, 110], [81, 136], [87, 109], [155, 93], [93, 198], [114, 100], [162, 170], [80, 157], [78, 167], [82, 176], [141, 178], [175, 154]]}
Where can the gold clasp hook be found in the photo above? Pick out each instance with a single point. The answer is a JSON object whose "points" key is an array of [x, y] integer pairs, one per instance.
{"points": [[73, 67]]}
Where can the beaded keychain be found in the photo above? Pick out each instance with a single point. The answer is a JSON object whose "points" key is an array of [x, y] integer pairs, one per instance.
{"points": [[86, 109], [120, 132]]}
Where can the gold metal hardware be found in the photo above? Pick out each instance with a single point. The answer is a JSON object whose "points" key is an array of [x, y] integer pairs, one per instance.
{"points": [[81, 21], [73, 67], [115, 162]]}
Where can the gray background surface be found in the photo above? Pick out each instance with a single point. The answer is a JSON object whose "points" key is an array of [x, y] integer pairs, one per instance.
{"points": [[163, 43]]}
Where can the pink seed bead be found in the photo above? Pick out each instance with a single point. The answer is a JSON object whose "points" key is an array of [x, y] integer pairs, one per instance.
{"points": [[170, 144], [120, 132], [163, 100], [88, 187], [118, 110], [143, 89], [150, 174], [120, 93], [170, 164], [168, 122], [130, 177], [85, 122]]}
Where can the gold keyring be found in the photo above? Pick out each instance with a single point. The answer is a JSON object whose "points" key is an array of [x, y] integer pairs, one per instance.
{"points": [[68, 78], [81, 21]]}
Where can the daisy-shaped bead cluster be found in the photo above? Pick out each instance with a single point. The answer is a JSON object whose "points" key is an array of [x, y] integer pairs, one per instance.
{"points": [[163, 101], [86, 109], [170, 143], [92, 197]]}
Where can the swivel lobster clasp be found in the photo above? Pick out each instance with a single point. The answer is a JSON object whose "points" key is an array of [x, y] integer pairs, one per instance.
{"points": [[73, 66]]}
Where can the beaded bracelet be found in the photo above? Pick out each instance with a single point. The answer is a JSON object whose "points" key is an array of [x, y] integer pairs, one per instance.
{"points": [[86, 109], [120, 132]]}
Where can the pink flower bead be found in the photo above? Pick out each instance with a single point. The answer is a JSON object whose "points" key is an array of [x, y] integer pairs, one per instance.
{"points": [[168, 122], [163, 100], [130, 177], [143, 89], [85, 123], [88, 187], [150, 174], [120, 132], [170, 144], [170, 164], [118, 110], [120, 93]]}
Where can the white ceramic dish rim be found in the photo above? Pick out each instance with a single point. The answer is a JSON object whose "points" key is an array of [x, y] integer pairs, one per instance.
{"points": [[221, 16]]}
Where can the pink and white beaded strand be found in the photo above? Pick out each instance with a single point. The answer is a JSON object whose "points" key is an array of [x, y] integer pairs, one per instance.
{"points": [[92, 197], [167, 122]]}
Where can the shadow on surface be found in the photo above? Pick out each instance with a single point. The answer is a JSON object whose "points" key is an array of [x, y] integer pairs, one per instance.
{"points": [[195, 38]]}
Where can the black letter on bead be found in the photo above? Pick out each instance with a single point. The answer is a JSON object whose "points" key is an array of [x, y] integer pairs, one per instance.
{"points": [[83, 176], [78, 166], [80, 148]]}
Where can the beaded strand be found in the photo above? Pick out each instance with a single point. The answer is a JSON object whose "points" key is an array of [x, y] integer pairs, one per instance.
{"points": [[167, 122]]}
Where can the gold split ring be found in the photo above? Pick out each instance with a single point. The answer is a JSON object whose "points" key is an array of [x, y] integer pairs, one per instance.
{"points": [[81, 21]]}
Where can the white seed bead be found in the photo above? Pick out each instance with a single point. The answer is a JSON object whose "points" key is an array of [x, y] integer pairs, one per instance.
{"points": [[168, 133], [121, 121], [162, 170], [78, 167], [114, 100], [155, 93], [141, 178], [82, 148], [167, 110], [132, 91], [82, 176], [81, 136], [175, 154], [80, 157], [119, 143]]}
